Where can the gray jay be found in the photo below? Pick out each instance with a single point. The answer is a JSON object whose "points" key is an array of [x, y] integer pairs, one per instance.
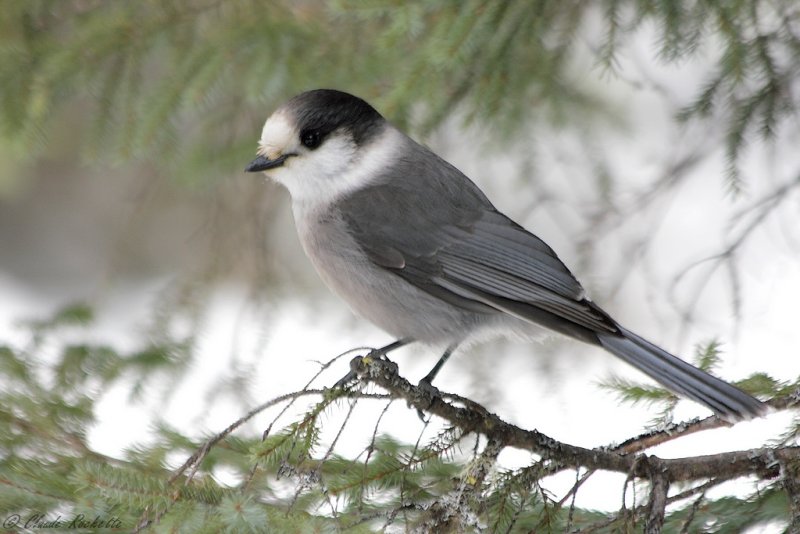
{"points": [[415, 246]]}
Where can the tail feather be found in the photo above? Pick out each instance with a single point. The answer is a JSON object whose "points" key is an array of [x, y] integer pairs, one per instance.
{"points": [[727, 401]]}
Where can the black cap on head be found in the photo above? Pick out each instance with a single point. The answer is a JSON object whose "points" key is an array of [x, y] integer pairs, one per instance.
{"points": [[326, 110]]}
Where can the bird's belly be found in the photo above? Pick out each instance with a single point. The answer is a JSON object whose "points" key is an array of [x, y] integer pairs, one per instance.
{"points": [[380, 296]]}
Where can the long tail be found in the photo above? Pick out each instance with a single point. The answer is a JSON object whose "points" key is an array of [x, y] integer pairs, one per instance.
{"points": [[725, 400]]}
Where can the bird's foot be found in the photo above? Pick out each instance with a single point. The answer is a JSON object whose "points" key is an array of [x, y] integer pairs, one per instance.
{"points": [[428, 391], [356, 363]]}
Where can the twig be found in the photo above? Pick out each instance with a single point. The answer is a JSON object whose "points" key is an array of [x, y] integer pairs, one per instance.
{"points": [[657, 503], [731, 464]]}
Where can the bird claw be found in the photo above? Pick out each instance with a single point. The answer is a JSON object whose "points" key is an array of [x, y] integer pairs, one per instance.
{"points": [[356, 363], [428, 388], [431, 392]]}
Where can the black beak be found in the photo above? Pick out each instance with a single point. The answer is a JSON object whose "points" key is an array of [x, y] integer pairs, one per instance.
{"points": [[261, 163]]}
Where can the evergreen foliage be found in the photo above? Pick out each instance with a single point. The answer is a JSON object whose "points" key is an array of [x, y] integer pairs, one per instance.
{"points": [[288, 480], [185, 84]]}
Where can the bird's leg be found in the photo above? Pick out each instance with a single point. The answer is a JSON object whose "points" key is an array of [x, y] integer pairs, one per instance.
{"points": [[426, 384], [375, 354], [383, 351]]}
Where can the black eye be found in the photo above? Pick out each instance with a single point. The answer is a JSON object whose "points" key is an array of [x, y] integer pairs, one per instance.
{"points": [[310, 138]]}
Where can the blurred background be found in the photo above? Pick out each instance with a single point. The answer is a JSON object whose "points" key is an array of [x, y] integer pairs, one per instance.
{"points": [[654, 147]]}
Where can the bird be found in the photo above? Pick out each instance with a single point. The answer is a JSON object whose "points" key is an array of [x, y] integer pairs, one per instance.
{"points": [[414, 246]]}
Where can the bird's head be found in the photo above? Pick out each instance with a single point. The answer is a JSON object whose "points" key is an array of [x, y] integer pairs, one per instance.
{"points": [[312, 143]]}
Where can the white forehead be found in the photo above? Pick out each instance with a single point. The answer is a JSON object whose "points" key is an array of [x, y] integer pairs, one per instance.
{"points": [[279, 134]]}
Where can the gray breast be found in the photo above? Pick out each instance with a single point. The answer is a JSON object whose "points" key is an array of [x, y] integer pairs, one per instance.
{"points": [[374, 293]]}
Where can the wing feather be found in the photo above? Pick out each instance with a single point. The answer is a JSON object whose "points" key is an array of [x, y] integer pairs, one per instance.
{"points": [[469, 255]]}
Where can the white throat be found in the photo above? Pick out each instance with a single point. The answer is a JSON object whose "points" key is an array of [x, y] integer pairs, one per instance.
{"points": [[317, 178]]}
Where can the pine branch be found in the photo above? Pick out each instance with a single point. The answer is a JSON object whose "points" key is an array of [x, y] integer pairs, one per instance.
{"points": [[763, 462], [656, 506], [293, 479], [513, 499]]}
